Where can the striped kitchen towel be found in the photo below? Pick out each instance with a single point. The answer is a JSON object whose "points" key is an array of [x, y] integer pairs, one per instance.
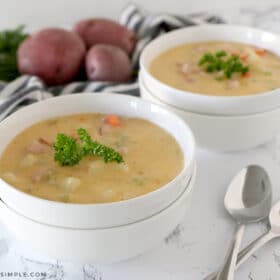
{"points": [[28, 89]]}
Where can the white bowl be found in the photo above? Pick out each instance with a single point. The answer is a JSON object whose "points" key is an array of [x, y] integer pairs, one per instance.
{"points": [[200, 103], [224, 133], [97, 245], [105, 214]]}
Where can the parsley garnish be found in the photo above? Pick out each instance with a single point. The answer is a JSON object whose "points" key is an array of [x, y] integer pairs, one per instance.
{"points": [[223, 63], [68, 152]]}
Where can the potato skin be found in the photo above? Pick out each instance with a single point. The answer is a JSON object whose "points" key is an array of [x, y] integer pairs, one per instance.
{"points": [[55, 55], [105, 31], [107, 63]]}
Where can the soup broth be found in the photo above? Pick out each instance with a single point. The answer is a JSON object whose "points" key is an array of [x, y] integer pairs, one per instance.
{"points": [[179, 67], [152, 158]]}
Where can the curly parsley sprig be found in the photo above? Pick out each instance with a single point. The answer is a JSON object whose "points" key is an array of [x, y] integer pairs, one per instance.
{"points": [[69, 153], [222, 62], [94, 148]]}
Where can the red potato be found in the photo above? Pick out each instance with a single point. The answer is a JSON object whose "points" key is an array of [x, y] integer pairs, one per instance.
{"points": [[53, 54], [105, 31], [107, 63]]}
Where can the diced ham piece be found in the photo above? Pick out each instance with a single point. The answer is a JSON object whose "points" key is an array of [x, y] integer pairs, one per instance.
{"points": [[123, 150], [201, 49], [244, 57], [233, 84], [45, 141], [189, 80], [40, 174], [104, 129], [37, 147]]}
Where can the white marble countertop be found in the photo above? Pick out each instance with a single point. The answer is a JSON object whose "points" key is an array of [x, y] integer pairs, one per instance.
{"points": [[198, 245]]}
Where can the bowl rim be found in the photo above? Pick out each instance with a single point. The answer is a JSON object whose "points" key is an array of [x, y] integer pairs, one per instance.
{"points": [[187, 164], [236, 117], [201, 96], [241, 116]]}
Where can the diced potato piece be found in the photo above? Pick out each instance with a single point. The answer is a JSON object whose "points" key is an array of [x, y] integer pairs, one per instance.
{"points": [[64, 198], [96, 166], [123, 166], [128, 195], [108, 195], [71, 183], [233, 84], [28, 160], [138, 180], [10, 177]]}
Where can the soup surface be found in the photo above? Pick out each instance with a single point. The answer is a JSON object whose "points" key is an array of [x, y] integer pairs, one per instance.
{"points": [[180, 67], [152, 158]]}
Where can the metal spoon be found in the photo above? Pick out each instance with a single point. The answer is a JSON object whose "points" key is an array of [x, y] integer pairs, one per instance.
{"points": [[273, 232], [248, 199]]}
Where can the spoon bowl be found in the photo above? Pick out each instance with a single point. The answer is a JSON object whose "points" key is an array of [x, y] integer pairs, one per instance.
{"points": [[249, 195]]}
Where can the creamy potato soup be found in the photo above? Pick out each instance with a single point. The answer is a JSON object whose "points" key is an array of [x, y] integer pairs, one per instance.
{"points": [[218, 68], [146, 158]]}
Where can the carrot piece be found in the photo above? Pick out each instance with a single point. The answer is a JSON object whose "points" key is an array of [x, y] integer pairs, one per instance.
{"points": [[113, 120], [82, 119], [260, 52], [246, 75]]}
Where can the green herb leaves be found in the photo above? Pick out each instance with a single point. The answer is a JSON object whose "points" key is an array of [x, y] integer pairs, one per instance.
{"points": [[94, 148], [222, 63], [9, 43], [68, 152]]}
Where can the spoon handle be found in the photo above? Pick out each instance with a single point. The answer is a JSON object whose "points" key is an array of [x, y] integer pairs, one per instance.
{"points": [[248, 251], [254, 246], [227, 271]]}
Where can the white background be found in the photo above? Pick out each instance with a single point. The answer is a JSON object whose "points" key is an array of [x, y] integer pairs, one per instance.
{"points": [[38, 13]]}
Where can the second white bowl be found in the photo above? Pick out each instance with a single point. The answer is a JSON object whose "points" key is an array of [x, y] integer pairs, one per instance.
{"points": [[206, 104]]}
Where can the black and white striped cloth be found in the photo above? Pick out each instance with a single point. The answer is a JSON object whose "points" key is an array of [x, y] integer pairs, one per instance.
{"points": [[28, 89]]}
